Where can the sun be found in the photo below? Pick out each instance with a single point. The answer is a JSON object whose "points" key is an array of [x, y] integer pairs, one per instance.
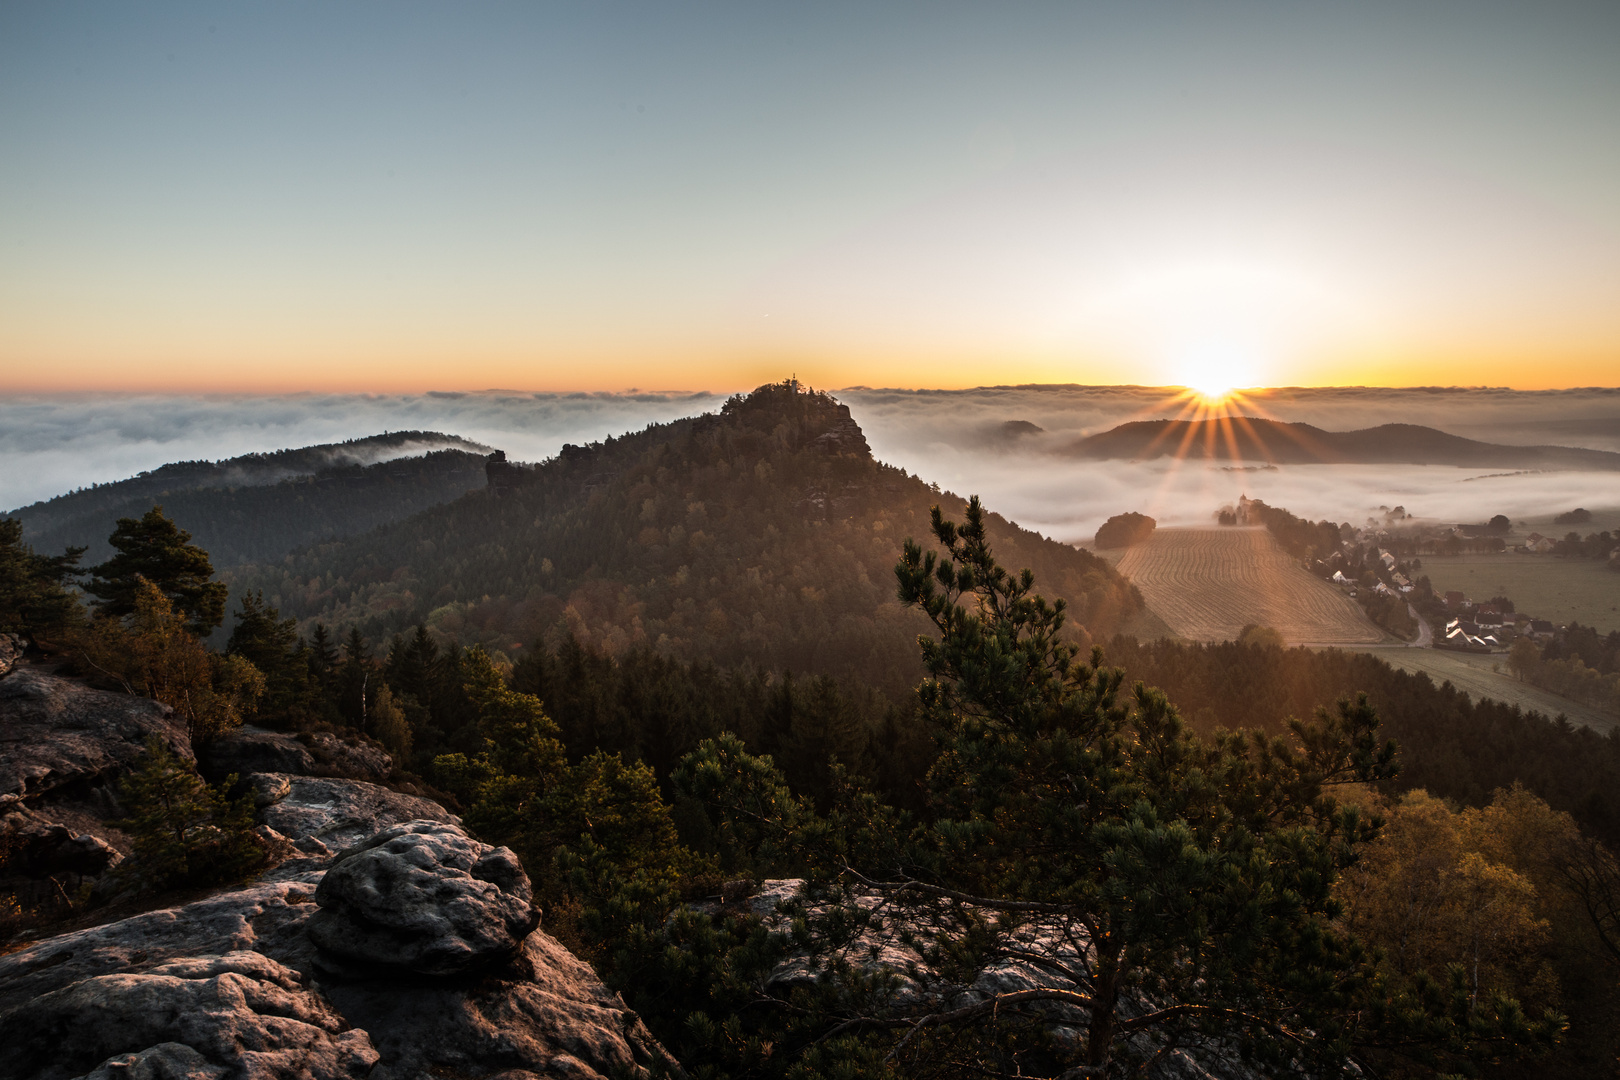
{"points": [[1212, 391], [1213, 371]]}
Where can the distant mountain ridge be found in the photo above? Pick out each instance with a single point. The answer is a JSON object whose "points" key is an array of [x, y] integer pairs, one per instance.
{"points": [[1283, 443], [260, 506], [764, 534]]}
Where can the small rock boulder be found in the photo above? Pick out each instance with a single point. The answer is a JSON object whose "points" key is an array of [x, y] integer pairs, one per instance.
{"points": [[425, 898], [241, 1012], [354, 757], [34, 846], [251, 749]]}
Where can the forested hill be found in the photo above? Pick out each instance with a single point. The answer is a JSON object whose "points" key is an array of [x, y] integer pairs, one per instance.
{"points": [[260, 506], [1253, 439], [765, 534]]}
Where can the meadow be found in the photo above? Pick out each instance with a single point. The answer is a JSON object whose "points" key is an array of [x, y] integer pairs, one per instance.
{"points": [[1208, 584], [1545, 586], [1486, 676]]}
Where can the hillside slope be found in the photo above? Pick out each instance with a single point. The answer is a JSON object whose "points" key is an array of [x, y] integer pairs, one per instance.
{"points": [[1253, 439], [764, 534], [260, 506]]}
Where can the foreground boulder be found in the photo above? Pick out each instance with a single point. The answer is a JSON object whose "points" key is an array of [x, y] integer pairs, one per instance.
{"points": [[454, 979], [423, 898], [239, 1014]]}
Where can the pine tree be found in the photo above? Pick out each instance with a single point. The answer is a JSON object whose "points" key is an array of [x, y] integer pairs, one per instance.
{"points": [[153, 548], [271, 644], [34, 599], [184, 830]]}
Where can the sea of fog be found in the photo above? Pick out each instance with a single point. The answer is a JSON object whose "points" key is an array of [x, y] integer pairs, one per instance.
{"points": [[957, 439]]}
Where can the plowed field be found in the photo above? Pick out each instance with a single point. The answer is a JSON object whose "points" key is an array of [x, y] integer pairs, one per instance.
{"points": [[1208, 584]]}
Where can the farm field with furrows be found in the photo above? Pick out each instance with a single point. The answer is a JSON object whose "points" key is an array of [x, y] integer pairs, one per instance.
{"points": [[1208, 584]]}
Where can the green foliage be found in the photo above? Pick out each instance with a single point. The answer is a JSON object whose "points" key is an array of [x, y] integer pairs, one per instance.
{"points": [[271, 645], [185, 832], [34, 599], [1200, 873], [751, 818], [153, 548]]}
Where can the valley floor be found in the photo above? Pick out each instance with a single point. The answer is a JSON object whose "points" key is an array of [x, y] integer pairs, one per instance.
{"points": [[1472, 674]]}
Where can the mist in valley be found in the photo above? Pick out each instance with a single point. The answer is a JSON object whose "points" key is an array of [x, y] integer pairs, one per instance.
{"points": [[981, 441]]}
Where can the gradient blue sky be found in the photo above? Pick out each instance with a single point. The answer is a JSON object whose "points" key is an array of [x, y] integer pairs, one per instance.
{"points": [[370, 196]]}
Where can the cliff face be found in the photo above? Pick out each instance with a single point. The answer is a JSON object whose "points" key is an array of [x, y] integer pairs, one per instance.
{"points": [[384, 942]]}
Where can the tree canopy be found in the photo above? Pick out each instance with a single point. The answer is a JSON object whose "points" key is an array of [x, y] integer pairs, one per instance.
{"points": [[155, 549]]}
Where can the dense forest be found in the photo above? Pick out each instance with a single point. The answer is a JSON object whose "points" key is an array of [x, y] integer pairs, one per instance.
{"points": [[764, 535], [259, 507]]}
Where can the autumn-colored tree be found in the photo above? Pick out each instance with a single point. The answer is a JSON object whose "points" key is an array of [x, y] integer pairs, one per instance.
{"points": [[154, 653], [1437, 890]]}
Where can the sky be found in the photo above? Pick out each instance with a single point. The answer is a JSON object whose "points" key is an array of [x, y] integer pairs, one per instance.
{"points": [[393, 198]]}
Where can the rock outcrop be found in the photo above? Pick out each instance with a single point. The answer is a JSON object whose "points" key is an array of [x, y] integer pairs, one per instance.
{"points": [[242, 1014], [59, 737], [414, 952], [37, 847], [243, 984], [251, 749], [322, 814]]}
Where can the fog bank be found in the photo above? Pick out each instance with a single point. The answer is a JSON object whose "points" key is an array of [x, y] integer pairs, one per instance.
{"points": [[957, 439]]}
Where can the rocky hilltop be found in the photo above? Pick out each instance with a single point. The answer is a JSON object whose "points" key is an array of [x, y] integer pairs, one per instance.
{"points": [[382, 941]]}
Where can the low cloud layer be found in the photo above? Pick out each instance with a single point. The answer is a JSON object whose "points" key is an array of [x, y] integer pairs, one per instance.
{"points": [[55, 444], [957, 439]]}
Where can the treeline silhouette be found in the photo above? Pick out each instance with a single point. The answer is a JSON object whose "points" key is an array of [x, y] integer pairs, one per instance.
{"points": [[240, 515]]}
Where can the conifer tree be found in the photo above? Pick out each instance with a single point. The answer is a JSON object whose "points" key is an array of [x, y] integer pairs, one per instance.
{"points": [[184, 830], [271, 644], [153, 548], [34, 599]]}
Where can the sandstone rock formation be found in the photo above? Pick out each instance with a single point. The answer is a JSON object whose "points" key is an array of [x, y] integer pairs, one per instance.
{"points": [[356, 758], [251, 749], [235, 985], [422, 957], [60, 737], [241, 1012], [423, 898], [339, 813]]}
